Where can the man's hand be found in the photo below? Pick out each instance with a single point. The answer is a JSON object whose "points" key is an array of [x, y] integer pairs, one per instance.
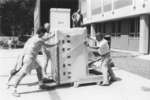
{"points": [[48, 36]]}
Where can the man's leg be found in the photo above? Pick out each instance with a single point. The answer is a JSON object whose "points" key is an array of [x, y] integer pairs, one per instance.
{"points": [[39, 75], [47, 57], [16, 69], [112, 75], [26, 68], [110, 71], [13, 72], [46, 54], [18, 81], [105, 71]]}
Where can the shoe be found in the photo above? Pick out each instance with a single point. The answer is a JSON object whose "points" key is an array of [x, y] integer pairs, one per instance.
{"points": [[41, 86], [112, 64], [113, 79], [47, 80], [44, 87], [15, 93], [104, 83]]}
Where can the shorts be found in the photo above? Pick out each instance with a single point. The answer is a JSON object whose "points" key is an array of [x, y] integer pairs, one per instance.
{"points": [[103, 62], [29, 63]]}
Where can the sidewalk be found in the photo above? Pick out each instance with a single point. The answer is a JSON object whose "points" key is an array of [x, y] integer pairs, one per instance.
{"points": [[140, 56], [132, 62], [130, 86]]}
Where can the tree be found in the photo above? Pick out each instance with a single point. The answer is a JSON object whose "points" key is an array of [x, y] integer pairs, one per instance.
{"points": [[17, 17]]}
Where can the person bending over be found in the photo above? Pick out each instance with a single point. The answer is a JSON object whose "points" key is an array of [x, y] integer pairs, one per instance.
{"points": [[30, 52]]}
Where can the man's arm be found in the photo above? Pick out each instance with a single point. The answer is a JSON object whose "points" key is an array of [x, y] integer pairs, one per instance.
{"points": [[91, 48], [50, 45], [49, 37]]}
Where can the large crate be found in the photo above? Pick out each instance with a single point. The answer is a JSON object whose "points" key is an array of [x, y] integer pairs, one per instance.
{"points": [[70, 57], [59, 18]]}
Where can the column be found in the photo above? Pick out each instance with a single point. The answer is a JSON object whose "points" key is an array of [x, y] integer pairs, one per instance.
{"points": [[0, 26], [0, 20], [93, 31], [144, 34], [37, 16], [89, 9]]}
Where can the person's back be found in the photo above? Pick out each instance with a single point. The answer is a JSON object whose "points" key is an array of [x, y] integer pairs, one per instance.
{"points": [[33, 46], [103, 47], [28, 58]]}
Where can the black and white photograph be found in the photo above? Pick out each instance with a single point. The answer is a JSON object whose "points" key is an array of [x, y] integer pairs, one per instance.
{"points": [[74, 49]]}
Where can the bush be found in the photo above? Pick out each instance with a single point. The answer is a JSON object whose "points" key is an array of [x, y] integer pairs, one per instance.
{"points": [[1, 44], [5, 44]]}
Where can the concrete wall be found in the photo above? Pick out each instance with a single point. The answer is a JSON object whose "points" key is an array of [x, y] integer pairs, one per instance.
{"points": [[124, 42], [125, 33], [105, 10], [0, 26]]}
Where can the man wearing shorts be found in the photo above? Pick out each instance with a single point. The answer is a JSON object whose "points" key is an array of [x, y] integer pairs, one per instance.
{"points": [[30, 52], [103, 64]]}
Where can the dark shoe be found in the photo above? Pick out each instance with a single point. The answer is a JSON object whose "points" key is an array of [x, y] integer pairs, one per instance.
{"points": [[47, 80], [112, 64], [41, 85], [45, 87], [113, 79]]}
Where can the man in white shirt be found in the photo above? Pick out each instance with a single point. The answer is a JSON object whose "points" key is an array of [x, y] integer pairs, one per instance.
{"points": [[102, 49], [29, 55]]}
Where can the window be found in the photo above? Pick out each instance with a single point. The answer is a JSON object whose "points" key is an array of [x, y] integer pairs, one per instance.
{"points": [[122, 3], [134, 30]]}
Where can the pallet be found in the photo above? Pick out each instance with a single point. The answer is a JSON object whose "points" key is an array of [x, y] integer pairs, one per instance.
{"points": [[90, 79]]}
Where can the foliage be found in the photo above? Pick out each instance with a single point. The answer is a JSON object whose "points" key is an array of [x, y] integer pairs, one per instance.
{"points": [[17, 17]]}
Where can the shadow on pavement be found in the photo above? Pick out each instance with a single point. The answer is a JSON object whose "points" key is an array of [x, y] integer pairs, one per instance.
{"points": [[117, 79], [28, 84], [47, 88], [54, 95], [146, 89], [38, 90]]}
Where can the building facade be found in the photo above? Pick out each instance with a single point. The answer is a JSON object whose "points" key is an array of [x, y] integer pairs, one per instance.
{"points": [[127, 21]]}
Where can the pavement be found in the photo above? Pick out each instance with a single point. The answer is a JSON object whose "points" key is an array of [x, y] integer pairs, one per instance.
{"points": [[132, 62], [131, 85]]}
